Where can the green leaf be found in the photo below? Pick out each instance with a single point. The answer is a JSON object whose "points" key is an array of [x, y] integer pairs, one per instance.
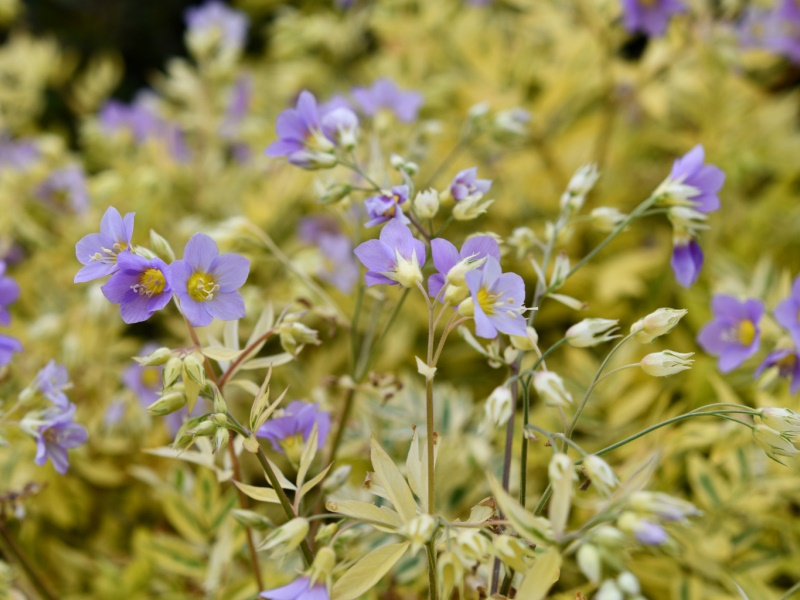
{"points": [[534, 529], [541, 576], [221, 353], [364, 510], [393, 482], [262, 494], [275, 360], [309, 485], [368, 571]]}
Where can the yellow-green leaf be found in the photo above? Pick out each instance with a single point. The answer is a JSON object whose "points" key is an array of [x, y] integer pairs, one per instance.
{"points": [[261, 494], [368, 571], [221, 353], [534, 529], [364, 510], [393, 482], [541, 576]]}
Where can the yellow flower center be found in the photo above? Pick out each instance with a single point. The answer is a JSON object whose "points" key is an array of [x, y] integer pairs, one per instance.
{"points": [[151, 378], [486, 301], [746, 333], [151, 282], [202, 287]]}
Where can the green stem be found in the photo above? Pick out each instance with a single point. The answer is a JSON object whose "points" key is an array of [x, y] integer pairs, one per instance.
{"points": [[12, 550], [337, 438], [432, 582], [791, 591], [359, 375]]}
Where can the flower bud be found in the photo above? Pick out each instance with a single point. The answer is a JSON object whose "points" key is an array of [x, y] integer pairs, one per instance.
{"points": [[628, 583], [560, 271], [774, 443], [193, 368], [450, 572], [334, 193], [204, 429], [512, 122], [408, 272], [322, 567], [252, 519], [601, 474], [419, 531], [455, 294], [646, 531], [609, 591], [657, 323], [550, 388], [783, 420], [606, 218], [426, 204], [161, 247], [663, 364], [525, 342], [581, 184], [664, 506], [221, 438], [220, 419], [589, 562], [608, 537], [561, 472], [591, 332], [294, 335], [286, 538], [473, 546], [325, 533], [471, 207], [336, 479], [512, 551], [481, 109], [166, 404], [499, 406], [172, 370], [523, 239]]}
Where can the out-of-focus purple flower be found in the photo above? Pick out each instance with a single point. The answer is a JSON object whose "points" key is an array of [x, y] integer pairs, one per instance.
{"points": [[788, 362], [140, 286], [144, 382], [733, 335], [65, 186], [466, 184], [301, 139], [496, 301], [758, 27], [238, 105], [98, 251], [384, 94], [339, 267], [9, 292], [299, 589], [687, 259], [17, 154], [8, 346], [334, 102], [782, 34], [650, 533], [394, 258], [650, 16], [55, 432], [216, 20], [787, 313], [298, 418], [341, 125], [207, 282], [452, 265], [51, 381], [386, 205], [694, 184]]}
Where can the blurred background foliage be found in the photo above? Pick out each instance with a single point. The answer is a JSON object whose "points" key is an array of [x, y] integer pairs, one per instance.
{"points": [[127, 524]]}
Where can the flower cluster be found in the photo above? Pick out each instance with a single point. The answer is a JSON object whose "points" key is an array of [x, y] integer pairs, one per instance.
{"points": [[205, 281], [9, 292]]}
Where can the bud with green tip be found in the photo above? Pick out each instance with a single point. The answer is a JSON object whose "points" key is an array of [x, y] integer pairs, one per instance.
{"points": [[774, 443], [591, 332], [426, 204], [607, 218], [525, 342], [499, 406], [512, 551], [221, 438], [419, 531], [551, 389], [286, 538], [783, 420], [473, 546], [322, 568], [601, 474], [252, 519], [161, 247], [666, 363], [172, 370], [656, 324], [194, 370], [166, 404], [154, 359], [589, 562]]}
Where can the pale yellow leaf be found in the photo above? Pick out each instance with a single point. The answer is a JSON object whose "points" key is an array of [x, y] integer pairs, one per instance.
{"points": [[393, 482], [541, 576], [307, 456], [221, 353], [368, 571], [364, 510], [533, 529], [275, 360], [309, 485], [262, 494]]}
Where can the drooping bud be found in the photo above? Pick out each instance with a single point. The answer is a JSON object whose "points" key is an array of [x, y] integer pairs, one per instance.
{"points": [[607, 218], [252, 519], [589, 562], [628, 583], [172, 370], [560, 271], [294, 335], [473, 546], [426, 204], [526, 342], [523, 239], [656, 324], [561, 472], [155, 358], [166, 404], [581, 184], [664, 506], [512, 551], [419, 531], [322, 567], [666, 363], [601, 474], [499, 406], [591, 332], [193, 367], [774, 443], [609, 591], [221, 438], [286, 538], [783, 420], [551, 389]]}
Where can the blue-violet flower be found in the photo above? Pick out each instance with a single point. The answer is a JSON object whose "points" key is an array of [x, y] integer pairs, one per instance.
{"points": [[733, 335], [98, 251], [140, 286], [394, 258]]}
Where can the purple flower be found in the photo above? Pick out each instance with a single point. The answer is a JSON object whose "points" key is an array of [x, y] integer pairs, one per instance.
{"points": [[733, 335], [8, 345], [788, 362], [298, 418], [650, 16], [394, 258], [299, 589], [687, 259], [217, 19], [55, 431], [9, 292], [51, 381], [706, 180], [65, 186], [758, 27], [140, 286], [340, 125], [650, 533], [385, 94], [17, 155], [206, 282], [787, 313], [497, 299], [301, 139], [386, 205], [467, 184], [98, 251], [238, 105], [453, 266]]}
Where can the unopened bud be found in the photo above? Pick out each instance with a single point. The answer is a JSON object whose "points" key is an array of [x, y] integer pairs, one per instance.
{"points": [[204, 429], [656, 324], [581, 184], [591, 332], [221, 438], [589, 562], [172, 370], [628, 583], [335, 192], [336, 479], [426, 204], [663, 364], [606, 218], [525, 342], [551, 389], [499, 406], [609, 591], [252, 519], [512, 551], [155, 358], [161, 247], [783, 420], [322, 567], [774, 443], [193, 367], [324, 534], [419, 531], [294, 335], [166, 404], [286, 538], [601, 474], [473, 546]]}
